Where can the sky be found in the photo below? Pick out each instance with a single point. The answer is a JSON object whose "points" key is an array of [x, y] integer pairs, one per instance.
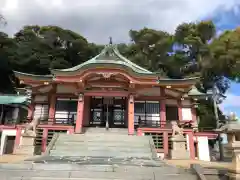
{"points": [[98, 19]]}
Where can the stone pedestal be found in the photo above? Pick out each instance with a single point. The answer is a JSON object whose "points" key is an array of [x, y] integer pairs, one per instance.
{"points": [[179, 150], [26, 146], [232, 129], [234, 173]]}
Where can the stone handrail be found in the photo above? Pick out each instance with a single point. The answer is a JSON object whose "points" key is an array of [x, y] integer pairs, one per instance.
{"points": [[51, 144], [199, 171]]}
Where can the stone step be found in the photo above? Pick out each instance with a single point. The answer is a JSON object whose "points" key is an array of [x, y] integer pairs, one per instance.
{"points": [[102, 148], [103, 138], [105, 145], [99, 133], [107, 132], [179, 177], [101, 153], [124, 175], [115, 154], [162, 168], [110, 130], [91, 145], [116, 143]]}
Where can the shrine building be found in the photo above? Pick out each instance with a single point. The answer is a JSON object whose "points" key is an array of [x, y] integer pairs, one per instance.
{"points": [[109, 91]]}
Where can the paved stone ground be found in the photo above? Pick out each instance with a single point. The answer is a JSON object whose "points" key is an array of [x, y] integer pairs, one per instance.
{"points": [[12, 158], [187, 163], [92, 168]]}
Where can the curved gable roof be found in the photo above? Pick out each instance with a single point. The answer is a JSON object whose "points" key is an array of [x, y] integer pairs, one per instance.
{"points": [[109, 55]]}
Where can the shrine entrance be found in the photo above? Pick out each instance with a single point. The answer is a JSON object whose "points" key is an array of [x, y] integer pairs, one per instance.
{"points": [[108, 112]]}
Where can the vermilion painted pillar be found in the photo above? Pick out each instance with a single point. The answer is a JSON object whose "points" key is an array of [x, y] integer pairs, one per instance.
{"points": [[52, 108], [162, 108], [165, 144], [86, 114], [52, 104], [139, 132], [80, 111], [18, 138], [131, 115], [71, 131], [191, 145], [179, 105], [44, 139]]}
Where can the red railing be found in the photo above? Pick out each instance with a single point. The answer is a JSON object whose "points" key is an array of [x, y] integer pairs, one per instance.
{"points": [[44, 134], [162, 139]]}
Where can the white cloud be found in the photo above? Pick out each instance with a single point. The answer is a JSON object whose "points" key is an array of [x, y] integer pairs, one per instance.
{"points": [[231, 102], [98, 19]]}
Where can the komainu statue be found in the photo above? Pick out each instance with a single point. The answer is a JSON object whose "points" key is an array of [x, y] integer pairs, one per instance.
{"points": [[176, 130], [31, 127], [195, 126]]}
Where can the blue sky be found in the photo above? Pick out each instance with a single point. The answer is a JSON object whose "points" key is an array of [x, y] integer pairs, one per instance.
{"points": [[229, 19]]}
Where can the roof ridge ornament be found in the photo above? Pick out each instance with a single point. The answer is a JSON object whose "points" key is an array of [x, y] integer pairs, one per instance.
{"points": [[110, 40], [109, 48]]}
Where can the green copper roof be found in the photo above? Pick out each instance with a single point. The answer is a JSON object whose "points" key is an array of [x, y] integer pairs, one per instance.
{"points": [[13, 99], [194, 92], [109, 55], [34, 76]]}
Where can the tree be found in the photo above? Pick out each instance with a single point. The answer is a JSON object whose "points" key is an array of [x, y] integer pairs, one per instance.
{"points": [[7, 78], [150, 48], [186, 53], [225, 54], [50, 47]]}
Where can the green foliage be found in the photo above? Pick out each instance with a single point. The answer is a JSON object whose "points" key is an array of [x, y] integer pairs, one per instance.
{"points": [[49, 47], [205, 112], [7, 78], [226, 54]]}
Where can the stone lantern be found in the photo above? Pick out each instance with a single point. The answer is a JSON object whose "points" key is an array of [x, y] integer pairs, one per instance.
{"points": [[232, 129]]}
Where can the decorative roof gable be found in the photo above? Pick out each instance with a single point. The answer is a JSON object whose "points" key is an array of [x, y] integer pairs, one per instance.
{"points": [[109, 56]]}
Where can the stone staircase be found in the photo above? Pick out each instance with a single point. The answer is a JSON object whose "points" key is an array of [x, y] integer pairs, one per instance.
{"points": [[106, 145], [97, 155]]}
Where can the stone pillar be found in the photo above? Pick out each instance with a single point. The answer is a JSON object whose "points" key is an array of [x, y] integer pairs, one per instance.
{"points": [[179, 150], [131, 115], [80, 111], [233, 132], [26, 146]]}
